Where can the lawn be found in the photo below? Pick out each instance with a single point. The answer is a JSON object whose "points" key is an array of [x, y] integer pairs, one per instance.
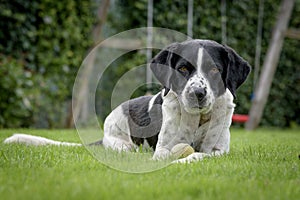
{"points": [[261, 165]]}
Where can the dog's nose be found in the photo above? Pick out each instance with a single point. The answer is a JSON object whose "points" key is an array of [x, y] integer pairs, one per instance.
{"points": [[200, 93]]}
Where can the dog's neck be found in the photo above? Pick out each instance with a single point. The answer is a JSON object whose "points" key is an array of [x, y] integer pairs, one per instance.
{"points": [[204, 118]]}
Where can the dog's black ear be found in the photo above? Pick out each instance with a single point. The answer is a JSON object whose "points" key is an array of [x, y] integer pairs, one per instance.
{"points": [[237, 72], [161, 66]]}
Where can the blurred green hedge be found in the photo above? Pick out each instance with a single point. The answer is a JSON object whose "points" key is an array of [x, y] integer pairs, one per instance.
{"points": [[283, 105], [42, 46]]}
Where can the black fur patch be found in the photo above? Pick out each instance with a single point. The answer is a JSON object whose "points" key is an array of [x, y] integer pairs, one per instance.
{"points": [[144, 124]]}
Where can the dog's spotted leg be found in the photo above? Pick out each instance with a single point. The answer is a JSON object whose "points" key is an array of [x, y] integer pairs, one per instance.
{"points": [[177, 127]]}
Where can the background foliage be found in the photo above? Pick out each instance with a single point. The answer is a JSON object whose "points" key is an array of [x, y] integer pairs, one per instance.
{"points": [[44, 42], [42, 45]]}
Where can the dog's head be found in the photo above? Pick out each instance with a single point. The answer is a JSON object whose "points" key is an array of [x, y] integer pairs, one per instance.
{"points": [[199, 71]]}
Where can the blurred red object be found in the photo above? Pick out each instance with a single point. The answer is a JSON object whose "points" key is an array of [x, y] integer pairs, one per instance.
{"points": [[240, 118]]}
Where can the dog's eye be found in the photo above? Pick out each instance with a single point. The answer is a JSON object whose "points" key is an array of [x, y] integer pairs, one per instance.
{"points": [[214, 70], [183, 69]]}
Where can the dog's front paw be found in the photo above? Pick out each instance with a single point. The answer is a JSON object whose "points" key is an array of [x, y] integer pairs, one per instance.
{"points": [[161, 154], [194, 157]]}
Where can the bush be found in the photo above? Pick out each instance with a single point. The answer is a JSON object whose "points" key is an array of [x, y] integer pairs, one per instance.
{"points": [[44, 42]]}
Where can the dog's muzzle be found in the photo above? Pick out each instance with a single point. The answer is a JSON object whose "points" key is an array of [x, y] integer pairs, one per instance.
{"points": [[197, 97], [200, 94]]}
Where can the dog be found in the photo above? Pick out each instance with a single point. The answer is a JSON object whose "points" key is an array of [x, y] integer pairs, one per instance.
{"points": [[195, 105]]}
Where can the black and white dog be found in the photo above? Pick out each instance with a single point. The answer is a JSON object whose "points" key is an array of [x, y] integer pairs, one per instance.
{"points": [[200, 79]]}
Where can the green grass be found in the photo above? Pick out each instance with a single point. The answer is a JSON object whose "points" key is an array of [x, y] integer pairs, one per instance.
{"points": [[261, 165]]}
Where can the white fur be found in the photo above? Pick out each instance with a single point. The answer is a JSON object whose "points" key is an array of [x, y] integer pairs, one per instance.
{"points": [[116, 131], [210, 139], [199, 60], [152, 101], [36, 140]]}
